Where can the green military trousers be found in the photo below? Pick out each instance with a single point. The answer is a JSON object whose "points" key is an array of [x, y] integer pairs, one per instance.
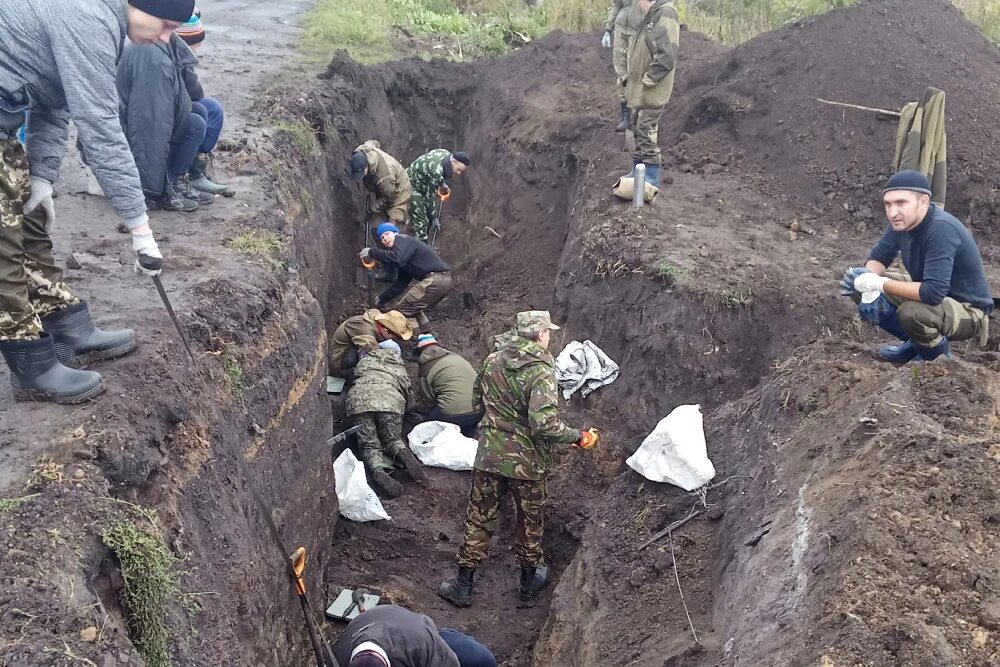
{"points": [[31, 285], [928, 325], [487, 493], [647, 132], [619, 59]]}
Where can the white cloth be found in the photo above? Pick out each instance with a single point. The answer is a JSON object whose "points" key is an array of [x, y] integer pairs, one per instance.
{"points": [[675, 451], [584, 366]]}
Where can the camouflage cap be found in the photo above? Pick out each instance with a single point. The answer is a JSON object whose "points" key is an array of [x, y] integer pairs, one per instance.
{"points": [[531, 321], [395, 322]]}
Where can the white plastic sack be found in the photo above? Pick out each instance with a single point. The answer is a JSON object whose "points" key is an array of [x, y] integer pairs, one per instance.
{"points": [[442, 445], [675, 451], [358, 501]]}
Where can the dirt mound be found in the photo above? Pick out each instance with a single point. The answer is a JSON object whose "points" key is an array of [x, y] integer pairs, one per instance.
{"points": [[758, 99]]}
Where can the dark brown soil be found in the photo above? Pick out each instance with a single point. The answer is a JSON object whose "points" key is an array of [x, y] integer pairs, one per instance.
{"points": [[854, 519]]}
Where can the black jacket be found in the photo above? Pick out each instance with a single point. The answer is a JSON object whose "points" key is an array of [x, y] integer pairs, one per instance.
{"points": [[409, 639], [415, 260]]}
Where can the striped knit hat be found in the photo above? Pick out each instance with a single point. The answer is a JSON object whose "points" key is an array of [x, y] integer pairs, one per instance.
{"points": [[426, 340], [192, 32]]}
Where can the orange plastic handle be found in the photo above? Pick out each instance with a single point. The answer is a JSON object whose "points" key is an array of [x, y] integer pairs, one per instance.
{"points": [[444, 195], [368, 263]]}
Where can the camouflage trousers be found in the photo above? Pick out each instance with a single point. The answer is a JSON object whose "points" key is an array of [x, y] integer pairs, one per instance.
{"points": [[928, 325], [619, 59], [488, 492], [31, 285], [647, 135], [423, 294], [422, 210], [381, 439]]}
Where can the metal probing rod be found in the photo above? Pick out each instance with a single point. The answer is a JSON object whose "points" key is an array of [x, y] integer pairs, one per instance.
{"points": [[639, 186]]}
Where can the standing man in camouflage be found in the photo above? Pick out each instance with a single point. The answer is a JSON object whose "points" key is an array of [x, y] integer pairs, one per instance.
{"points": [[517, 390], [57, 60], [429, 173], [376, 402], [650, 82], [384, 177], [623, 21]]}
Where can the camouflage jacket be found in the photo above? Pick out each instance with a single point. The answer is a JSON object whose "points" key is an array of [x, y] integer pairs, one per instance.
{"points": [[427, 173], [381, 384], [517, 390]]}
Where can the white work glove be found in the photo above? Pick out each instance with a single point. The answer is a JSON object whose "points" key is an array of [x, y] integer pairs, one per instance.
{"points": [[148, 260], [606, 40], [365, 252], [41, 194], [870, 284]]}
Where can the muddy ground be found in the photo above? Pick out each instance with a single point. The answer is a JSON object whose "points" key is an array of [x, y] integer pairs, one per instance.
{"points": [[853, 521]]}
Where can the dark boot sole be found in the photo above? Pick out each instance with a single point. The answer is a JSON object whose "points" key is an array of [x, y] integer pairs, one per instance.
{"points": [[22, 396], [67, 357], [458, 602]]}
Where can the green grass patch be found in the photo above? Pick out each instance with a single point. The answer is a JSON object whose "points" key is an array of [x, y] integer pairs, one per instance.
{"points": [[151, 584], [984, 13], [237, 379], [11, 504], [667, 271], [262, 244], [736, 298], [300, 133]]}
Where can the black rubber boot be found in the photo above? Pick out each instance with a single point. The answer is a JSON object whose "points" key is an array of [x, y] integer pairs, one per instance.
{"points": [[199, 197], [390, 487], [459, 590], [626, 120], [78, 342], [413, 467], [37, 375], [533, 580], [173, 200]]}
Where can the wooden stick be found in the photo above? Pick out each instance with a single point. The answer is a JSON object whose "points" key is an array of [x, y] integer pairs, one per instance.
{"points": [[492, 231], [669, 529], [680, 592], [859, 108]]}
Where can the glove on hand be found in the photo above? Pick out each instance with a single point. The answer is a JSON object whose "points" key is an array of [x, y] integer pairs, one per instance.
{"points": [[870, 282], [873, 312], [149, 261], [588, 439], [41, 194], [847, 281], [365, 252], [647, 82], [606, 40], [436, 224]]}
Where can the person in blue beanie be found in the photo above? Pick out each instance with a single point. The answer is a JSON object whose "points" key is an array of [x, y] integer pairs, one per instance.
{"points": [[944, 296]]}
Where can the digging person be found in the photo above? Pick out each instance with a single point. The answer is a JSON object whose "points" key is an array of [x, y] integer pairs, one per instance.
{"points": [[57, 60], [623, 22], [445, 381], [384, 177], [422, 277], [945, 295], [516, 389], [430, 174], [391, 636], [363, 333], [651, 66], [376, 402]]}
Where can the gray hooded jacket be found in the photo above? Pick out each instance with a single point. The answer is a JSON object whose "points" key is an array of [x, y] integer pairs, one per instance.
{"points": [[58, 59]]}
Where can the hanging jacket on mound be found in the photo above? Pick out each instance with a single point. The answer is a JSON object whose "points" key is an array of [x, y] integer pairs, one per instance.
{"points": [[155, 105], [381, 384], [652, 58], [446, 379], [517, 390], [57, 58]]}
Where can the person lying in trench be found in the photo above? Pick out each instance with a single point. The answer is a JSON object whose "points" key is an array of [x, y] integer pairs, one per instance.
{"points": [[363, 333], [445, 386], [376, 402], [422, 277], [944, 296]]}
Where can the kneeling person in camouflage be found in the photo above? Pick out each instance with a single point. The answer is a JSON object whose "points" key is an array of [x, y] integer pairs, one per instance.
{"points": [[376, 402], [517, 390]]}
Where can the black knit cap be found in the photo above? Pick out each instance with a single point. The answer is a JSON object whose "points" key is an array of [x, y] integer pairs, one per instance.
{"points": [[909, 179], [462, 157], [168, 10], [359, 166]]}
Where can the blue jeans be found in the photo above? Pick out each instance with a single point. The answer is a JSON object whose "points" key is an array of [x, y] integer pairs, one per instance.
{"points": [[183, 153], [211, 110], [470, 652]]}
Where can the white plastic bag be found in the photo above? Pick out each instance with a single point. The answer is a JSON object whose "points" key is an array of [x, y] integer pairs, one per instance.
{"points": [[358, 501], [442, 445], [675, 451]]}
